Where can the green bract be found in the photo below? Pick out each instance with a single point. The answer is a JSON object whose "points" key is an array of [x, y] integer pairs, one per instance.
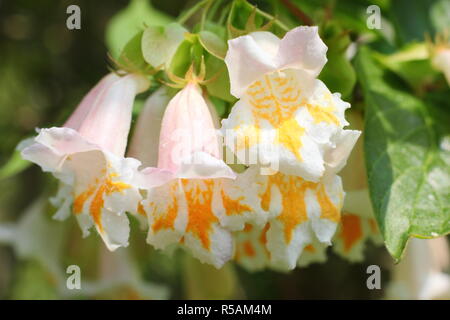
{"points": [[159, 43]]}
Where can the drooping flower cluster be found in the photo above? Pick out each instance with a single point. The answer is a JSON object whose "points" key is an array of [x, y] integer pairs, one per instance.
{"points": [[286, 127]]}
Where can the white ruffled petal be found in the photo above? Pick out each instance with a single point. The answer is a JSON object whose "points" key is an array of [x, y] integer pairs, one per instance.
{"points": [[336, 158], [167, 213], [250, 247], [248, 59], [238, 202], [302, 48]]}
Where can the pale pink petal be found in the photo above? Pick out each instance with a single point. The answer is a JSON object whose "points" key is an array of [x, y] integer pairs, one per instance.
{"points": [[302, 48], [80, 113], [108, 122], [249, 58], [188, 140], [145, 139]]}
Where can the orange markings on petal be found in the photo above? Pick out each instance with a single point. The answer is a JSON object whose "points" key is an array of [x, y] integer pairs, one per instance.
{"points": [[234, 206], [248, 248], [328, 209], [98, 190], [275, 100], [263, 238], [289, 135], [167, 220], [81, 199], [351, 230], [248, 227], [106, 188], [292, 190], [310, 248], [199, 195], [141, 210]]}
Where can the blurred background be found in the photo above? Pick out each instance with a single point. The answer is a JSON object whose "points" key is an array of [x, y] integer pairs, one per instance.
{"points": [[45, 69]]}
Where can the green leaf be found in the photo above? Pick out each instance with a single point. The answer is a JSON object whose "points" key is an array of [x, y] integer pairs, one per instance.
{"points": [[412, 64], [440, 15], [338, 73], [131, 58], [412, 19], [220, 106], [213, 44], [407, 157], [15, 165], [159, 44], [219, 86], [124, 25], [181, 59]]}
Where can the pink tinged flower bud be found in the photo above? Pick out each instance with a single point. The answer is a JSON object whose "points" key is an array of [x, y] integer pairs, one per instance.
{"points": [[188, 140]]}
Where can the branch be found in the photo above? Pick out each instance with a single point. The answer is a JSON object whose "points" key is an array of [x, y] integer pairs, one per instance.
{"points": [[298, 12]]}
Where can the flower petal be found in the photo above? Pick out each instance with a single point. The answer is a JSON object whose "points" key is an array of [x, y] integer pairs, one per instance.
{"points": [[298, 211], [250, 247], [357, 227], [79, 115], [249, 58], [145, 140], [302, 48], [315, 252], [187, 127], [277, 124], [324, 208], [166, 209], [239, 202], [108, 122], [336, 158], [183, 211]]}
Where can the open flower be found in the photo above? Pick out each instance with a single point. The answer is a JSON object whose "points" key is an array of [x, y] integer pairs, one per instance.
{"points": [[87, 155], [304, 217], [285, 117], [299, 213], [197, 207]]}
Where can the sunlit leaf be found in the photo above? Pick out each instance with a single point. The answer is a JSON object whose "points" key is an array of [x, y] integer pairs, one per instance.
{"points": [[412, 64], [407, 150], [159, 44], [440, 15], [213, 44], [219, 84], [125, 24], [131, 57]]}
